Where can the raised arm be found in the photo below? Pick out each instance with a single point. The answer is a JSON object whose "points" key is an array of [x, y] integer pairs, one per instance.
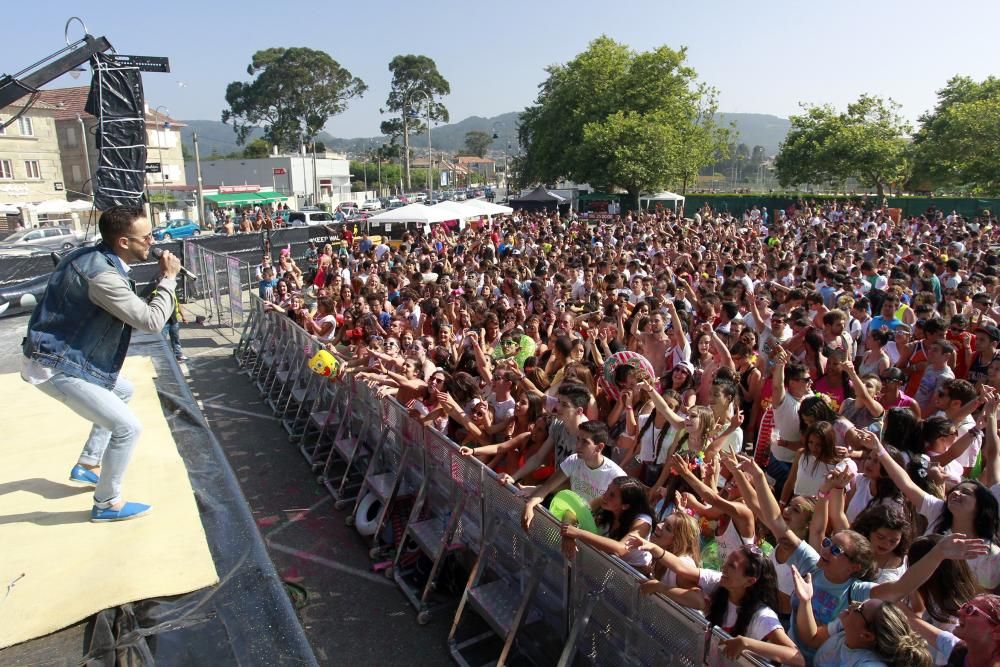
{"points": [[778, 375], [808, 631], [770, 511], [952, 547], [910, 490], [861, 392], [661, 405]]}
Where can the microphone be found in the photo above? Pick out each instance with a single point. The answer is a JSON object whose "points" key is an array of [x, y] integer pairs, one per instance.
{"points": [[158, 252]]}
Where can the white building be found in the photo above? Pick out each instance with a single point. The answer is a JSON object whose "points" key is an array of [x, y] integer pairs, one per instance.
{"points": [[285, 174]]}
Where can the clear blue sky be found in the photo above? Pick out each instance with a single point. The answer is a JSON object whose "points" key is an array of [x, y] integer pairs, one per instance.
{"points": [[763, 57]]}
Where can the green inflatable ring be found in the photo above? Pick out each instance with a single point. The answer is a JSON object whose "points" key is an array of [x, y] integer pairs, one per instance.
{"points": [[569, 501]]}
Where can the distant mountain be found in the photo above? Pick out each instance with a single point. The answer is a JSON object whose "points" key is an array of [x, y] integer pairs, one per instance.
{"points": [[754, 129], [757, 129]]}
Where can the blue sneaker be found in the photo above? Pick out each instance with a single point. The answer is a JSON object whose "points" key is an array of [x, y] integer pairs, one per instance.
{"points": [[124, 513], [80, 475]]}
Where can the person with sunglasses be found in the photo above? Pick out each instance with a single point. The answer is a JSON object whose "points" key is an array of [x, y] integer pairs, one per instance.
{"points": [[741, 599], [974, 642], [842, 565], [868, 633], [78, 337]]}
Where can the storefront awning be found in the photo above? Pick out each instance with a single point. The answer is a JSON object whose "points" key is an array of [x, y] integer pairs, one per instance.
{"points": [[237, 198]]}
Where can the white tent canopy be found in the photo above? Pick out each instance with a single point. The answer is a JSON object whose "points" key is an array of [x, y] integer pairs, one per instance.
{"points": [[487, 208], [455, 210], [79, 205], [9, 209], [52, 207], [664, 196], [413, 213]]}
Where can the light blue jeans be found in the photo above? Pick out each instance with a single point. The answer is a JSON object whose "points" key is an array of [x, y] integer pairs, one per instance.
{"points": [[115, 430]]}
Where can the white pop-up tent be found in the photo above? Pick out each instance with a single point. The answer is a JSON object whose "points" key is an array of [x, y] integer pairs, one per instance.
{"points": [[487, 208], [413, 213], [457, 210], [661, 198], [52, 207]]}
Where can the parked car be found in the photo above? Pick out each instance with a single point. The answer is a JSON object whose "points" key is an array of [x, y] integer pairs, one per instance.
{"points": [[42, 238], [348, 208], [396, 204], [460, 196], [315, 217], [372, 205], [419, 197], [176, 229]]}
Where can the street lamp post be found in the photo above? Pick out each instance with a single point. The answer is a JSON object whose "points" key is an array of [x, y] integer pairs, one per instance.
{"points": [[430, 154]]}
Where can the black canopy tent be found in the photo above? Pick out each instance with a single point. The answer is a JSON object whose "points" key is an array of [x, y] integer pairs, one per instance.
{"points": [[539, 199]]}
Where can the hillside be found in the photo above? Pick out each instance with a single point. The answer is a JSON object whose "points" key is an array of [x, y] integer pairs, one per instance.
{"points": [[755, 129]]}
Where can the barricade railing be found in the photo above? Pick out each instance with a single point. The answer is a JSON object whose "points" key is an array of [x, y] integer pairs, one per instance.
{"points": [[218, 292], [534, 601]]}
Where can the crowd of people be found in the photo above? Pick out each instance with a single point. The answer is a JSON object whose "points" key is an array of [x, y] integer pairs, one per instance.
{"points": [[786, 420]]}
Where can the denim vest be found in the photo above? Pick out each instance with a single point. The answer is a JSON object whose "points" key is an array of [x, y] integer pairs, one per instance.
{"points": [[68, 332]]}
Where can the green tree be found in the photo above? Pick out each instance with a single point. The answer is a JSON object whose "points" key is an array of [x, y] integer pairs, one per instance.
{"points": [[257, 148], [958, 142], [477, 142], [867, 142], [295, 93], [319, 146], [602, 94], [410, 74]]}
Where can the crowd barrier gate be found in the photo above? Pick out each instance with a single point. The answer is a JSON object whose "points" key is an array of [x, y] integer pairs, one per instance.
{"points": [[535, 602], [218, 292]]}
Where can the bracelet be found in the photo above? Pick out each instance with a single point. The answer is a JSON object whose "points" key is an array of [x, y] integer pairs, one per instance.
{"points": [[881, 451], [663, 552], [822, 495]]}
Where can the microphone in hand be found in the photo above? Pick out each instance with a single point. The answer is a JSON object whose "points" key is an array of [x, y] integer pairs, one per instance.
{"points": [[170, 264]]}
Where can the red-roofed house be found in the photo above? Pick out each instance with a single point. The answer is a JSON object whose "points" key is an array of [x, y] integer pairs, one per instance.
{"points": [[163, 142]]}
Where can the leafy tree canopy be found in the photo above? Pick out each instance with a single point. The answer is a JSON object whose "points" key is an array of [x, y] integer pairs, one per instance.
{"points": [[868, 142], [958, 142], [409, 74], [257, 148], [295, 93], [606, 92], [416, 83], [477, 142]]}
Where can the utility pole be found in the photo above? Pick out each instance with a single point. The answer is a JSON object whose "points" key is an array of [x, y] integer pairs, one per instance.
{"points": [[315, 178], [406, 146], [86, 155], [201, 192]]}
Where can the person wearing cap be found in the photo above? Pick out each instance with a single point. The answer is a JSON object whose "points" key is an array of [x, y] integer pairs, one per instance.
{"points": [[987, 340]]}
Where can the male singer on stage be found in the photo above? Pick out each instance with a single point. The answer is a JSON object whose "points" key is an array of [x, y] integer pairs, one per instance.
{"points": [[77, 339]]}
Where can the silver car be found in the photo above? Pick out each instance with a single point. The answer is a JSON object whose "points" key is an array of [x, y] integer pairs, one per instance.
{"points": [[42, 238]]}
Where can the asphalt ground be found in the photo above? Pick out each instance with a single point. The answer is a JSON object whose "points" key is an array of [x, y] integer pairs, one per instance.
{"points": [[350, 614]]}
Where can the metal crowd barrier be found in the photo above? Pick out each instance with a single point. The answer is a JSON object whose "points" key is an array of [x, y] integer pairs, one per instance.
{"points": [[532, 601], [218, 292]]}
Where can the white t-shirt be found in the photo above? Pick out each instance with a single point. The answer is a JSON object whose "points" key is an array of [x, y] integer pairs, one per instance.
{"points": [[503, 410], [764, 620], [786, 423], [811, 473], [590, 483], [986, 568], [650, 438]]}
